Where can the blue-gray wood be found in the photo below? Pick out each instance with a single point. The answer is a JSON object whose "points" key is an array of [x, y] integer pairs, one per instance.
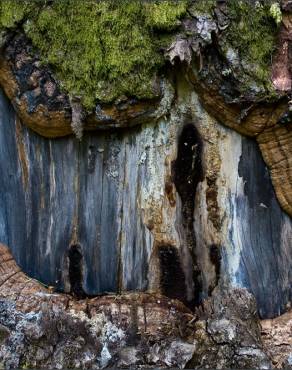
{"points": [[266, 259], [61, 193], [257, 247]]}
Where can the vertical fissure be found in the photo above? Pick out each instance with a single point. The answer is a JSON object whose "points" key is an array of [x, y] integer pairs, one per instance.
{"points": [[187, 173], [75, 258], [172, 278], [215, 259]]}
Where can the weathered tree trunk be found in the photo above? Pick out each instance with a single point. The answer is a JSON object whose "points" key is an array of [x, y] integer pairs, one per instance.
{"points": [[163, 233], [153, 211]]}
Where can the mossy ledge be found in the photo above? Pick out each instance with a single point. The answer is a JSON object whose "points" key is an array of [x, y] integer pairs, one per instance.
{"points": [[98, 50], [107, 58], [101, 50]]}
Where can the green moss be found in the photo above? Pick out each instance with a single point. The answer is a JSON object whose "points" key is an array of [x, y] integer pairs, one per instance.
{"points": [[203, 7], [164, 15], [10, 14], [99, 50], [253, 31], [275, 11], [103, 49]]}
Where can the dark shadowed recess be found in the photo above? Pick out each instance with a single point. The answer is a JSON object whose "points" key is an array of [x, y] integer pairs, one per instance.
{"points": [[215, 259], [187, 173], [172, 278], [75, 262]]}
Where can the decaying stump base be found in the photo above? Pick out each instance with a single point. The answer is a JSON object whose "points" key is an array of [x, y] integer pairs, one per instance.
{"points": [[44, 329]]}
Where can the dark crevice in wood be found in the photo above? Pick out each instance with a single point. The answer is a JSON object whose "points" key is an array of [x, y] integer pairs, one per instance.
{"points": [[76, 271], [215, 258], [172, 278], [187, 173]]}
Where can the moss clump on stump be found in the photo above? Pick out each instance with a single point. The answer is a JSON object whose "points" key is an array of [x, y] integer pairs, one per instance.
{"points": [[253, 31], [103, 49], [99, 50]]}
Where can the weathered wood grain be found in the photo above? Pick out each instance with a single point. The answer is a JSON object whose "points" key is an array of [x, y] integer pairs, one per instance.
{"points": [[112, 198], [239, 218], [102, 195]]}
